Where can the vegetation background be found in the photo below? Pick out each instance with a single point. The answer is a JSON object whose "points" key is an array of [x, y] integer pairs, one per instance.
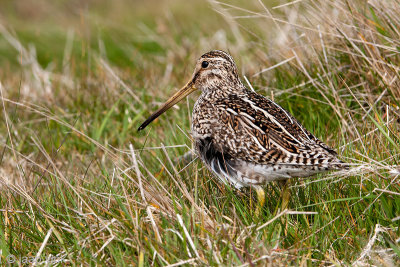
{"points": [[81, 186]]}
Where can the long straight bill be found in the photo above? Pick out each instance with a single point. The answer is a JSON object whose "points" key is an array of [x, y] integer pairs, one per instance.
{"points": [[178, 96]]}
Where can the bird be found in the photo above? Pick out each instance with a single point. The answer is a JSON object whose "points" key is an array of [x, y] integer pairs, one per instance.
{"points": [[243, 137]]}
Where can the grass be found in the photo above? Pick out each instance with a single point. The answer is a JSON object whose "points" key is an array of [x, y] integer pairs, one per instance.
{"points": [[80, 185]]}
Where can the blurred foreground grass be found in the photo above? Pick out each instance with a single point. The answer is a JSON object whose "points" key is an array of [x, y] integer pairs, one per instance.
{"points": [[78, 77]]}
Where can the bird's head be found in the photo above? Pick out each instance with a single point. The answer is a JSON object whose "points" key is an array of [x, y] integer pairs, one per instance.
{"points": [[215, 70], [215, 73]]}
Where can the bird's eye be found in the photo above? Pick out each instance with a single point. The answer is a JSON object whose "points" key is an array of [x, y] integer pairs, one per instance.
{"points": [[204, 64]]}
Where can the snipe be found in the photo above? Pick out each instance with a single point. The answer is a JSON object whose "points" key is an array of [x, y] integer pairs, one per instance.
{"points": [[243, 137]]}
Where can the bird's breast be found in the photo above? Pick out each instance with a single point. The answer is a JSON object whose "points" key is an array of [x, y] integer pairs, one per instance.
{"points": [[204, 119]]}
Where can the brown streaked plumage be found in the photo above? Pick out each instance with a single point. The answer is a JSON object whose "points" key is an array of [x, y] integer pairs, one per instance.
{"points": [[243, 137]]}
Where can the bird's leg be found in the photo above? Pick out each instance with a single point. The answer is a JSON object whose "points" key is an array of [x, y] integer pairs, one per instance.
{"points": [[187, 157], [260, 199], [285, 193]]}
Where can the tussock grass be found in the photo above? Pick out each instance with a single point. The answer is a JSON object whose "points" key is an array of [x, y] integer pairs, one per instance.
{"points": [[79, 185]]}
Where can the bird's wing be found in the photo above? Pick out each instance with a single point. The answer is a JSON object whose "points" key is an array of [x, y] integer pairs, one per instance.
{"points": [[255, 129]]}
